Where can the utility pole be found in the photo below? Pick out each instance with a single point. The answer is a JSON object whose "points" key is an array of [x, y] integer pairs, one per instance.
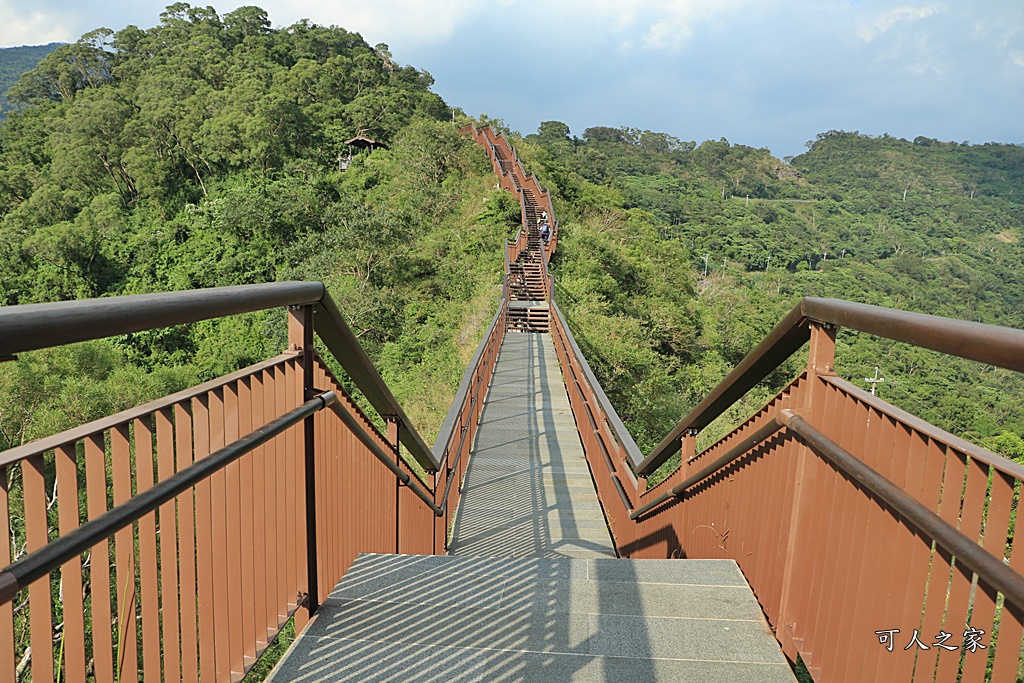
{"points": [[874, 380]]}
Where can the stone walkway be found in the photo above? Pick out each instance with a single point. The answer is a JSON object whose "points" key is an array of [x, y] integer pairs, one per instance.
{"points": [[528, 490]]}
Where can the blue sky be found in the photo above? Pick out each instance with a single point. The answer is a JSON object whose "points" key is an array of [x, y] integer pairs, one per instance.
{"points": [[766, 73]]}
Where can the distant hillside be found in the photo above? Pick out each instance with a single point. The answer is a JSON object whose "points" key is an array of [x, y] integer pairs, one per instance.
{"points": [[675, 259], [14, 61]]}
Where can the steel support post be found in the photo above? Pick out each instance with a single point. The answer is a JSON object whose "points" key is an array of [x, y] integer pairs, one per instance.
{"points": [[300, 337]]}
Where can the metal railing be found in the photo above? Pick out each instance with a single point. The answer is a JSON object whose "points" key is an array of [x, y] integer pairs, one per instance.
{"points": [[513, 177], [849, 517], [458, 432], [232, 506]]}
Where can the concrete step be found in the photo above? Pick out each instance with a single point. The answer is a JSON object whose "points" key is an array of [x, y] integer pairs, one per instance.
{"points": [[422, 618]]}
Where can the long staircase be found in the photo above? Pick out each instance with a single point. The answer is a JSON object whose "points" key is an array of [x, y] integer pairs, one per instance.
{"points": [[177, 540], [532, 589]]}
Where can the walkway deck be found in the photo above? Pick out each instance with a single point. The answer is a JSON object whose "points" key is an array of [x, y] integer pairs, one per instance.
{"points": [[528, 490]]}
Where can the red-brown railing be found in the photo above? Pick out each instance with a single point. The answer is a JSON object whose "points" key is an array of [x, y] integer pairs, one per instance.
{"points": [[856, 524], [458, 432], [513, 177], [199, 585], [842, 571]]}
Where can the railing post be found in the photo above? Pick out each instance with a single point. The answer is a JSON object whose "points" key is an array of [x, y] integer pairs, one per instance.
{"points": [[796, 574], [687, 450], [300, 338], [392, 436]]}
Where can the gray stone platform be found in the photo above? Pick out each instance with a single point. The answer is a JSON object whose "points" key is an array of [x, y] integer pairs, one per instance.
{"points": [[531, 591], [528, 490], [407, 618]]}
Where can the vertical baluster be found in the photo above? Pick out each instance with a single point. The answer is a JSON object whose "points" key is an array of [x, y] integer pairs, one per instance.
{"points": [[7, 663], [66, 463], [33, 479], [259, 523], [148, 572], [285, 547], [171, 595], [276, 600], [124, 553], [321, 437], [99, 562], [205, 566], [292, 460], [236, 617], [223, 617], [187, 547], [243, 422]]}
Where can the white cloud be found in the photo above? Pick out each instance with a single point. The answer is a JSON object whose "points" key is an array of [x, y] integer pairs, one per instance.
{"points": [[670, 25], [31, 28], [397, 22], [882, 23], [1017, 57]]}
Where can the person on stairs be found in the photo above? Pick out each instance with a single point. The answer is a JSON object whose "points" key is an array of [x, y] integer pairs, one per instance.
{"points": [[545, 232]]}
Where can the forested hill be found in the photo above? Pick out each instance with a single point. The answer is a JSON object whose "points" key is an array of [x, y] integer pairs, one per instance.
{"points": [[679, 257], [205, 152], [14, 61]]}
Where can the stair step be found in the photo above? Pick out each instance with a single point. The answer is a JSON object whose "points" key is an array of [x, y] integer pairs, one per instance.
{"points": [[424, 618]]}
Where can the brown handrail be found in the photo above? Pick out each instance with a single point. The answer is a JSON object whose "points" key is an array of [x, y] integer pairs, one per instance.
{"points": [[36, 326], [378, 452], [339, 339], [614, 421], [41, 562], [973, 556], [734, 453], [999, 346]]}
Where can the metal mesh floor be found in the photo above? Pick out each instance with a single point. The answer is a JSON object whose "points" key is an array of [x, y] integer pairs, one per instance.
{"points": [[528, 490]]}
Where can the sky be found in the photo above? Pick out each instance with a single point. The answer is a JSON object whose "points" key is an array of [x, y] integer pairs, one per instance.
{"points": [[764, 73]]}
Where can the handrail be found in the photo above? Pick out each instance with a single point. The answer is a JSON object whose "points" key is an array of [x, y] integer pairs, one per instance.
{"points": [[614, 421], [36, 326], [734, 453], [991, 344], [782, 342], [990, 568], [41, 562], [378, 452], [337, 336]]}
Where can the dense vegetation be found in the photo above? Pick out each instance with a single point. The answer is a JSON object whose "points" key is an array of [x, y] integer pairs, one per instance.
{"points": [[204, 152], [677, 258], [14, 61]]}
